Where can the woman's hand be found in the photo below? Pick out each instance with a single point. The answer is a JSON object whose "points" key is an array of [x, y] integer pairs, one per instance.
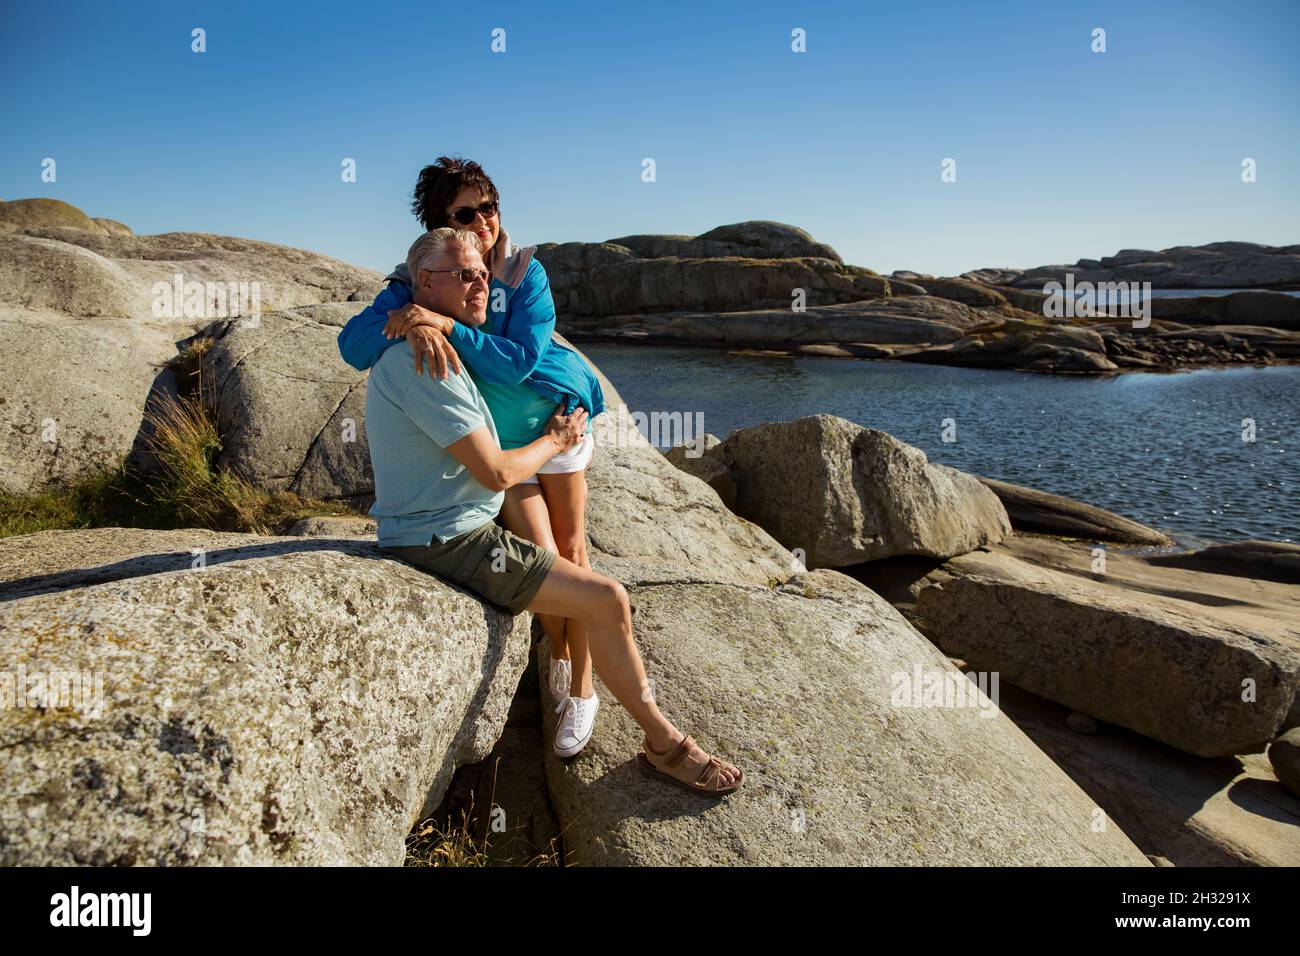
{"points": [[429, 343], [569, 429], [401, 321]]}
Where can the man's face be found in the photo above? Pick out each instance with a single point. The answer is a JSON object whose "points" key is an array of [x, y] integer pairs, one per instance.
{"points": [[442, 287]]}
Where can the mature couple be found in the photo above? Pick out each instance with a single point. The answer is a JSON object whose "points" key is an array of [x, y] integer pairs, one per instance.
{"points": [[505, 435]]}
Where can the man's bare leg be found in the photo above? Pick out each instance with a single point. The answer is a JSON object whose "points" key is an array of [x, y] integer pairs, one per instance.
{"points": [[601, 604]]}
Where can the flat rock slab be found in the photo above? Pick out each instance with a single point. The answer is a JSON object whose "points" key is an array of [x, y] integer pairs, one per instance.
{"points": [[798, 687], [286, 702], [1229, 811], [1042, 512], [1261, 560], [1158, 665], [1248, 602]]}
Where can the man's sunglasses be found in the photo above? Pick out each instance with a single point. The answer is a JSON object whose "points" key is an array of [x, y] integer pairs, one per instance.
{"points": [[465, 214], [466, 275]]}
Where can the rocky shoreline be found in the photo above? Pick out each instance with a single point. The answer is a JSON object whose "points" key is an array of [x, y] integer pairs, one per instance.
{"points": [[735, 288], [296, 698]]}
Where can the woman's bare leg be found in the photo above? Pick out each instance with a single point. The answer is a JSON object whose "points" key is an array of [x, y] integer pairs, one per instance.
{"points": [[566, 502], [524, 513]]}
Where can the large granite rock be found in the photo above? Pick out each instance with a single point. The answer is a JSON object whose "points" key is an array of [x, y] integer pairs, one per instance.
{"points": [[799, 686], [84, 333], [290, 410], [73, 394], [1046, 513], [844, 494], [1208, 684], [290, 701]]}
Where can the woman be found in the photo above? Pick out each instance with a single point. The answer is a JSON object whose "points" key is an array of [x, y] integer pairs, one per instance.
{"points": [[522, 374]]}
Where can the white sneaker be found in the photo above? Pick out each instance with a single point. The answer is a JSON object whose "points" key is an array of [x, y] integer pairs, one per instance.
{"points": [[577, 722], [560, 679]]}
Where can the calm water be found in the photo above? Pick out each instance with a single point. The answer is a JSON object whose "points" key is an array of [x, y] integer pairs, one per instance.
{"points": [[1187, 293], [1166, 450]]}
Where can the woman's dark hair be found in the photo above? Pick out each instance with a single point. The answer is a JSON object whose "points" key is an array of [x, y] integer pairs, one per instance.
{"points": [[438, 185]]}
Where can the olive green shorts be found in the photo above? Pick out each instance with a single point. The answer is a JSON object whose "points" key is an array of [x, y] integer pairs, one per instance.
{"points": [[499, 566]]}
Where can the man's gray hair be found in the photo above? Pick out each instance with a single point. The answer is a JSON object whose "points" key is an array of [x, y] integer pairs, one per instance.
{"points": [[426, 250]]}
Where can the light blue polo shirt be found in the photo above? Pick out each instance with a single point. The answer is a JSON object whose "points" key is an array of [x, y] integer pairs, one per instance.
{"points": [[421, 491]]}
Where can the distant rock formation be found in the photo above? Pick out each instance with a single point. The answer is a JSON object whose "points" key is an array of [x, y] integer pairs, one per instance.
{"points": [[1216, 265], [22, 214], [770, 286]]}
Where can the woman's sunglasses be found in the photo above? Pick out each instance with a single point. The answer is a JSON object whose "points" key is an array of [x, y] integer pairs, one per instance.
{"points": [[465, 214]]}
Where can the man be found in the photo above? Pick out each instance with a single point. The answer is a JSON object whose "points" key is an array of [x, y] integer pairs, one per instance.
{"points": [[439, 477]]}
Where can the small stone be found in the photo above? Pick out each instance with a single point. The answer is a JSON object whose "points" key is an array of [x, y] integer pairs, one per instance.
{"points": [[1081, 723]]}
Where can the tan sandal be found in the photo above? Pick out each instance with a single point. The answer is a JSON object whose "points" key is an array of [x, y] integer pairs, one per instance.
{"points": [[679, 771]]}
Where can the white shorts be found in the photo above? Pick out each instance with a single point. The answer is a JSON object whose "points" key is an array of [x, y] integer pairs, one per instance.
{"points": [[575, 459]]}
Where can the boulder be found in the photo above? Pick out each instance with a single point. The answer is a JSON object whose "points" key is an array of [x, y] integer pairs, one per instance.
{"points": [[1284, 756], [1158, 665], [802, 687], [1269, 309], [709, 466], [73, 396], [290, 410], [846, 494], [246, 700], [1057, 358], [88, 317], [1046, 513]]}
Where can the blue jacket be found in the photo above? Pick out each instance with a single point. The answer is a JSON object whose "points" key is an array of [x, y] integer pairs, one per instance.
{"points": [[512, 346]]}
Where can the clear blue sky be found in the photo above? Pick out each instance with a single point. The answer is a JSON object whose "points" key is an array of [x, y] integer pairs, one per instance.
{"points": [[1061, 152]]}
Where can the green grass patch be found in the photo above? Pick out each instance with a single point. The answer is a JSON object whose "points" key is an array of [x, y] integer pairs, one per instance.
{"points": [[181, 487]]}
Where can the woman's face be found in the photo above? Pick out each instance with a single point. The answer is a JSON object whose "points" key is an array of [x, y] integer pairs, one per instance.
{"points": [[486, 227]]}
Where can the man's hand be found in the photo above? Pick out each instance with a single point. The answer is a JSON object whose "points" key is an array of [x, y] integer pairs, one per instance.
{"points": [[567, 429], [432, 345], [401, 321]]}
